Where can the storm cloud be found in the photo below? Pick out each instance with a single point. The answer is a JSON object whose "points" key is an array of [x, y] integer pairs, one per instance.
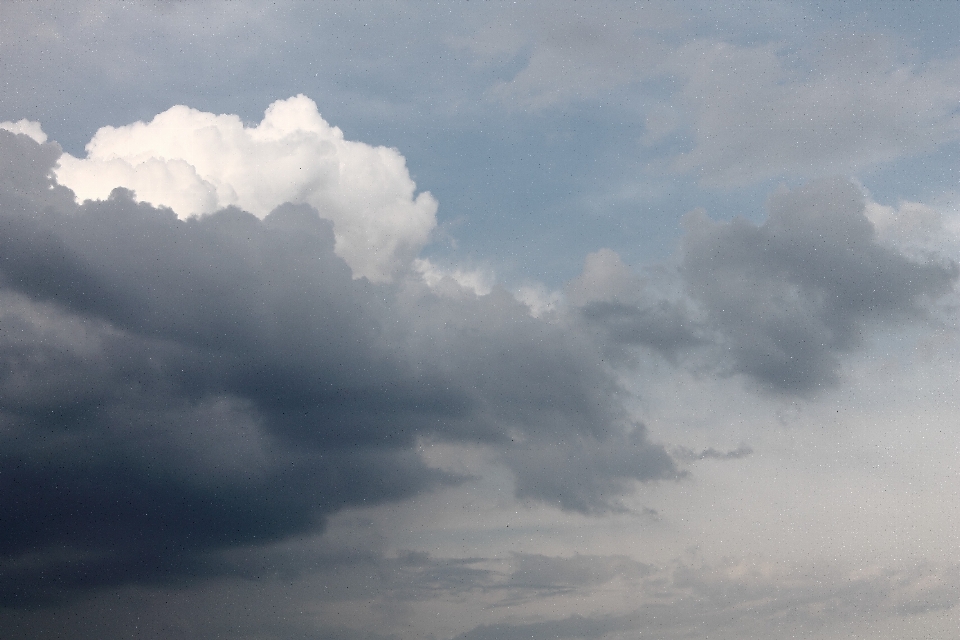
{"points": [[369, 320], [171, 388], [779, 302], [786, 298]]}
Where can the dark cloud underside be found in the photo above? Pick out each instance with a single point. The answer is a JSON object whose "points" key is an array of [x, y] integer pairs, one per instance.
{"points": [[172, 388]]}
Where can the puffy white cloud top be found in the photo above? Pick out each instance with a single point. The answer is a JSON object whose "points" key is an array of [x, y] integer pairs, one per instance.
{"points": [[27, 128], [196, 163]]}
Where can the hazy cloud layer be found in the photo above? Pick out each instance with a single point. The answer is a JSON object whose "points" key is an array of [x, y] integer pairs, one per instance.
{"points": [[754, 114], [726, 112], [737, 598], [528, 594], [172, 387], [689, 455], [571, 54]]}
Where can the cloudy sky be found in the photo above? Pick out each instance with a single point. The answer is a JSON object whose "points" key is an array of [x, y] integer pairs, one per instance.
{"points": [[479, 320]]}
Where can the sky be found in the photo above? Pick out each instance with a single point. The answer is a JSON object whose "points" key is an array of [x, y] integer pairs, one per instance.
{"points": [[479, 320]]}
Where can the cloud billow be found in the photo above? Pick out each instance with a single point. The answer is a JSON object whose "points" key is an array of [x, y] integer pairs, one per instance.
{"points": [[197, 163], [611, 298], [173, 388], [787, 297], [778, 302]]}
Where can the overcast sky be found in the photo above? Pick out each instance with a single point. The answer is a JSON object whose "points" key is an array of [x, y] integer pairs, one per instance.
{"points": [[479, 320]]}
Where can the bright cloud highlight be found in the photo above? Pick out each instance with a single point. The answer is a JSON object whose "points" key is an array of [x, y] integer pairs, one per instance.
{"points": [[196, 163], [27, 128]]}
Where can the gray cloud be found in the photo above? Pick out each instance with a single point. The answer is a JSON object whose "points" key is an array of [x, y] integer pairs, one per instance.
{"points": [[624, 308], [689, 455], [779, 302], [550, 575], [522, 595], [787, 297], [597, 470], [575, 626], [173, 388]]}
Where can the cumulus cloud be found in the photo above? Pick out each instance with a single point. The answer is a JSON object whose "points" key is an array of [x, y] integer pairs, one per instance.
{"points": [[476, 280], [197, 163], [917, 229], [611, 297], [27, 128], [171, 388], [778, 302], [785, 298]]}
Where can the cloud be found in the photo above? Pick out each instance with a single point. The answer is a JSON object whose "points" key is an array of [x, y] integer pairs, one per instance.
{"points": [[726, 112], [27, 128], [597, 470], [859, 102], [737, 598], [779, 302], [611, 297], [689, 455], [570, 55], [477, 281], [538, 298], [550, 575], [917, 229], [173, 388], [197, 163], [787, 297]]}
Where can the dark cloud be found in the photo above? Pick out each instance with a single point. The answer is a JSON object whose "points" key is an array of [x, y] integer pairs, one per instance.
{"points": [[624, 309], [779, 302], [787, 297], [171, 389], [597, 470], [662, 326]]}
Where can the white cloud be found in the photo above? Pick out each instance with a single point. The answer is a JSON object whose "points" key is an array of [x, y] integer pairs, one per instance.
{"points": [[918, 229], [26, 127], [454, 281], [605, 278], [196, 163], [478, 281], [538, 299]]}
